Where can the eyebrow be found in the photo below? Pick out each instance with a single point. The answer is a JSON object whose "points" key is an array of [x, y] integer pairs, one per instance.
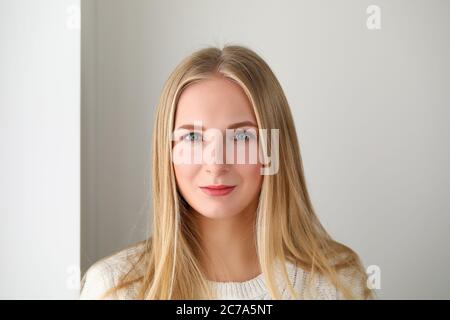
{"points": [[232, 126]]}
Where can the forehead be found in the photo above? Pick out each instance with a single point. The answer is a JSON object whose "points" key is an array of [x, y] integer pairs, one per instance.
{"points": [[216, 102]]}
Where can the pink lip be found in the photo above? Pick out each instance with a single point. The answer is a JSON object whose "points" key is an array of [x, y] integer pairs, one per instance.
{"points": [[217, 190]]}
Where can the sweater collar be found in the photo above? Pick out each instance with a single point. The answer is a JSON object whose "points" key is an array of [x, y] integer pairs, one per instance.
{"points": [[254, 288]]}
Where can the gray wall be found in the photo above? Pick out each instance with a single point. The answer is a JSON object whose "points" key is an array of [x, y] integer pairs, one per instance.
{"points": [[371, 110], [39, 149]]}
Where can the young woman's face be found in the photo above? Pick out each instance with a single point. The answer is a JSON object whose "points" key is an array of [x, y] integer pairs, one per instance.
{"points": [[219, 104]]}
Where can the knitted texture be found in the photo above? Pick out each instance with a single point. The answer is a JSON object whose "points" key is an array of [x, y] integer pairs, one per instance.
{"points": [[105, 273]]}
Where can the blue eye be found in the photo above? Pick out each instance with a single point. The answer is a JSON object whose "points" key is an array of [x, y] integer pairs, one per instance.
{"points": [[197, 137], [192, 136], [243, 135]]}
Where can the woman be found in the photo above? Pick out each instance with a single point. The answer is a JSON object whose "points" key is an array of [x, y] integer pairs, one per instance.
{"points": [[227, 229]]}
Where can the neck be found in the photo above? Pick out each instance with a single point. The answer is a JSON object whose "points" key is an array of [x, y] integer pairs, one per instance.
{"points": [[229, 246]]}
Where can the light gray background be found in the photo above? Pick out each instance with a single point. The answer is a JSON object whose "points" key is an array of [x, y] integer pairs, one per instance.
{"points": [[371, 109], [39, 149]]}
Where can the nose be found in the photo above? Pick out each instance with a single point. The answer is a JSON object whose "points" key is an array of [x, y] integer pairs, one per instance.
{"points": [[217, 169], [214, 154]]}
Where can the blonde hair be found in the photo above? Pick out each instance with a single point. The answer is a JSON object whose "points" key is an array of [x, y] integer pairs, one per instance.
{"points": [[286, 225]]}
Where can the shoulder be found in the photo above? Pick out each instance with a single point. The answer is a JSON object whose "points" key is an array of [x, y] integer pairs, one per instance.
{"points": [[356, 281], [351, 275], [322, 288], [105, 273]]}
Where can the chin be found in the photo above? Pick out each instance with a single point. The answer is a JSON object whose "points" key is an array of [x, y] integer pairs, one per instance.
{"points": [[218, 213]]}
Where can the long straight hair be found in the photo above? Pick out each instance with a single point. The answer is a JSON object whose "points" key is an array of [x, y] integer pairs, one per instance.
{"points": [[287, 227]]}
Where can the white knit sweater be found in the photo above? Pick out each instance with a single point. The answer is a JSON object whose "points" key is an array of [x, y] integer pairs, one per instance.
{"points": [[104, 274]]}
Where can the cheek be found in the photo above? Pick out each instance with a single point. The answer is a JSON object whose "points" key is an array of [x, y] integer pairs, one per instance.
{"points": [[185, 174], [251, 177]]}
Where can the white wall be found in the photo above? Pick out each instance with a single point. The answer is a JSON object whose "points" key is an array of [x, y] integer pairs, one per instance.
{"points": [[371, 110], [39, 143]]}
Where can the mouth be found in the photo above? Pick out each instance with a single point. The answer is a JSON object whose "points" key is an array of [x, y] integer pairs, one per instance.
{"points": [[217, 190]]}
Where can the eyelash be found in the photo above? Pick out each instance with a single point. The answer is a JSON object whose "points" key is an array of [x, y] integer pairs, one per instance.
{"points": [[249, 135]]}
